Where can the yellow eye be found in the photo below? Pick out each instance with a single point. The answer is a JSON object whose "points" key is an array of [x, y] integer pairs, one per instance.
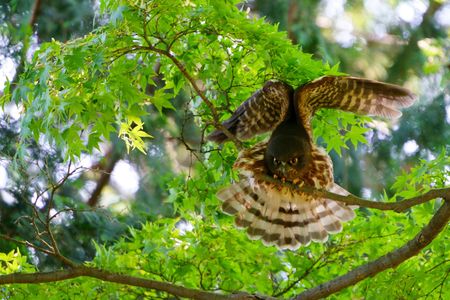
{"points": [[294, 161]]}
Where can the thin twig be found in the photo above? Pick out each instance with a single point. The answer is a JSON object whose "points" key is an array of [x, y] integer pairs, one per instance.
{"points": [[300, 277], [167, 53], [54, 244], [199, 92], [26, 243]]}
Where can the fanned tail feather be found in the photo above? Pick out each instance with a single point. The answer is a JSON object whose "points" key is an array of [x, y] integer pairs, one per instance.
{"points": [[287, 222]]}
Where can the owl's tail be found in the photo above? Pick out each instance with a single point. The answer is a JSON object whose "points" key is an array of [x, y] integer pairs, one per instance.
{"points": [[282, 220]]}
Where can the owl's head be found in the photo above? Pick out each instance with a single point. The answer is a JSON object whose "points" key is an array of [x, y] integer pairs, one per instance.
{"points": [[286, 156]]}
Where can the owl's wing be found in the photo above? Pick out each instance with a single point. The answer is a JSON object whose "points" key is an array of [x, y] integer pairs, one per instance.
{"points": [[262, 112], [358, 95]]}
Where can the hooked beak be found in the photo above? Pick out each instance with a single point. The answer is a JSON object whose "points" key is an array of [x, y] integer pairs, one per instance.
{"points": [[283, 167]]}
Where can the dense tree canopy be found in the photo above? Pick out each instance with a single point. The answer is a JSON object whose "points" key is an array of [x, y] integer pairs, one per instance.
{"points": [[105, 172]]}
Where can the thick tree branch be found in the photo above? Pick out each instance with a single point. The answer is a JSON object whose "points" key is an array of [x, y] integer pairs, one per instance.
{"points": [[390, 260], [399, 206], [350, 199], [75, 272]]}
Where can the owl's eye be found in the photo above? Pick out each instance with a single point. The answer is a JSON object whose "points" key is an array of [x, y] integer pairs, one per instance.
{"points": [[294, 161], [276, 161]]}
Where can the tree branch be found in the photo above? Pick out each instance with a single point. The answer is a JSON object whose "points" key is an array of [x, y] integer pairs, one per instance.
{"points": [[34, 13], [350, 199], [111, 158], [199, 92], [390, 260], [26, 243], [23, 52], [167, 53], [190, 78], [399, 206], [80, 271]]}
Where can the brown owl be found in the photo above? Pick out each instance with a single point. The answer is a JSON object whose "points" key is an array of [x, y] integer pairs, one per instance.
{"points": [[276, 212]]}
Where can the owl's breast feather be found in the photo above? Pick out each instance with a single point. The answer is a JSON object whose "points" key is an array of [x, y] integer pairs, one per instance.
{"points": [[318, 173]]}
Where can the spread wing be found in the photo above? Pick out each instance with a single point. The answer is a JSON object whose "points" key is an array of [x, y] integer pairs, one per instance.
{"points": [[358, 95], [262, 112]]}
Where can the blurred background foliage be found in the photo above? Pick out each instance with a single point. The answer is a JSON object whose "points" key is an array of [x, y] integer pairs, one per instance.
{"points": [[403, 41]]}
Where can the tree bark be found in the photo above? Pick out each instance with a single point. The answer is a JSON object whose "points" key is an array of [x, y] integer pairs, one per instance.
{"points": [[390, 260]]}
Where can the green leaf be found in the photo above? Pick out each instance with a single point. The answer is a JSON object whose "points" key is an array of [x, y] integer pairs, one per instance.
{"points": [[161, 99]]}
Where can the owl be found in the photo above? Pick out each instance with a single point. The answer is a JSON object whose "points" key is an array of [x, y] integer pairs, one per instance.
{"points": [[265, 200]]}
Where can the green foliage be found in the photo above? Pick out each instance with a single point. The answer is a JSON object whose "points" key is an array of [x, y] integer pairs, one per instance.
{"points": [[77, 94], [339, 128], [424, 176], [132, 133], [91, 86], [14, 262]]}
